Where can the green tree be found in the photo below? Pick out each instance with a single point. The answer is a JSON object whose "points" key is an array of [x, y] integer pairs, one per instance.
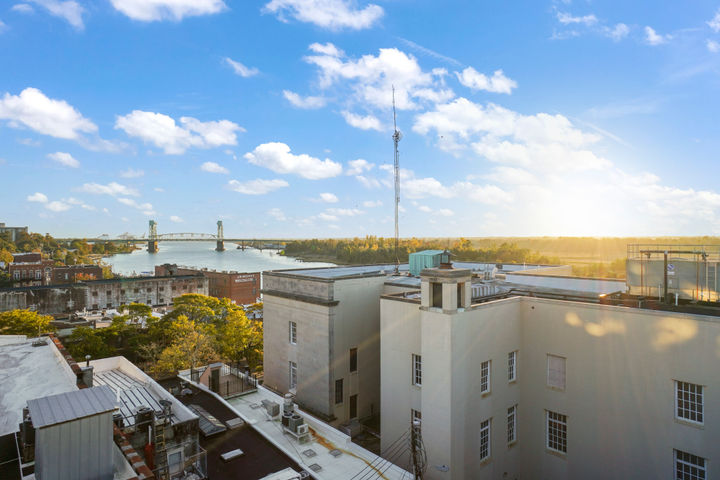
{"points": [[24, 322], [192, 347], [89, 341], [241, 339]]}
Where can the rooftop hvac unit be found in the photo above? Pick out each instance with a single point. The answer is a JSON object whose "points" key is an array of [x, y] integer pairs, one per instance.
{"points": [[303, 429], [272, 408], [286, 418], [294, 422], [143, 415]]}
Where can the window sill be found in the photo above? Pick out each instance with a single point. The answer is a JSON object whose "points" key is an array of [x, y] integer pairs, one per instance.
{"points": [[512, 444], [485, 394], [486, 461], [417, 386], [512, 382], [557, 389], [556, 453], [690, 423]]}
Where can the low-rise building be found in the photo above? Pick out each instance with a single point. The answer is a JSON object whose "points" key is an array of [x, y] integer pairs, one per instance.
{"points": [[26, 271], [75, 273], [14, 232], [241, 288], [101, 294]]}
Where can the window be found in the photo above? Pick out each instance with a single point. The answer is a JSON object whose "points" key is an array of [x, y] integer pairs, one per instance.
{"points": [[689, 401], [556, 371], [436, 289], [175, 461], [38, 274], [293, 333], [415, 415], [108, 293], [460, 295], [512, 366], [338, 391], [16, 275], [293, 375], [556, 431], [485, 440], [417, 370], [512, 424], [136, 290], [353, 359], [485, 377], [689, 466], [122, 292]]}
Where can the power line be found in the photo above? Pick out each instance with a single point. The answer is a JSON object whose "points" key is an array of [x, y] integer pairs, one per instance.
{"points": [[391, 448]]}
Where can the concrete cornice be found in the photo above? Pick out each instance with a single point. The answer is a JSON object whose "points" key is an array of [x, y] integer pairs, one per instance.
{"points": [[300, 298]]}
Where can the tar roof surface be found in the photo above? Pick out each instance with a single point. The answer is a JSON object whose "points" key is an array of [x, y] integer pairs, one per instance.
{"points": [[260, 458], [29, 372]]}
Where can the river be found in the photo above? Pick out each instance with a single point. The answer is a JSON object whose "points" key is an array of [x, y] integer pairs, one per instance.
{"points": [[203, 255]]}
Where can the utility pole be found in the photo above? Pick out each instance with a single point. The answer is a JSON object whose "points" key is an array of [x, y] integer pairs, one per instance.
{"points": [[396, 139], [415, 443]]}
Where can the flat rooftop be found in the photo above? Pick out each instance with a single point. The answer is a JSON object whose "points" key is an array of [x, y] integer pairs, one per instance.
{"points": [[28, 372], [260, 457], [351, 271], [352, 458]]}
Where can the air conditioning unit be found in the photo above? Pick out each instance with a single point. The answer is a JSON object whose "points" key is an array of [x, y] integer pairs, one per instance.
{"points": [[303, 429], [294, 422]]}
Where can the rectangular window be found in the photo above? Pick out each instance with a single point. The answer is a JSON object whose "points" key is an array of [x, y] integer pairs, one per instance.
{"points": [[415, 415], [689, 466], [38, 274], [512, 366], [689, 401], [556, 432], [485, 439], [556, 371], [353, 359], [436, 294], [293, 333], [512, 424], [16, 275], [417, 370], [338, 391], [485, 377], [293, 376], [108, 293]]}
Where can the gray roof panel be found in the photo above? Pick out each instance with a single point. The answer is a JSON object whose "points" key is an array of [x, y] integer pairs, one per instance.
{"points": [[64, 407]]}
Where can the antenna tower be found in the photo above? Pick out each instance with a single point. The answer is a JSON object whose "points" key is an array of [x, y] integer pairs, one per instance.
{"points": [[396, 139]]}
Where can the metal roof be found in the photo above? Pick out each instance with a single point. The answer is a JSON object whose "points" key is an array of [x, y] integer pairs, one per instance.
{"points": [[133, 393], [65, 407]]}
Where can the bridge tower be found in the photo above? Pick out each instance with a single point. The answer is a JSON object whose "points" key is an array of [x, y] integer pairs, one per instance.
{"points": [[153, 238], [220, 239]]}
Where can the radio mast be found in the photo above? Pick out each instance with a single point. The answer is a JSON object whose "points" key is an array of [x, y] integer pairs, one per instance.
{"points": [[396, 139]]}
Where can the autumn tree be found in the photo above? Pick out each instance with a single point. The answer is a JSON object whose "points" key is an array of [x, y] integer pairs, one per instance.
{"points": [[241, 339], [24, 322], [192, 347], [89, 341]]}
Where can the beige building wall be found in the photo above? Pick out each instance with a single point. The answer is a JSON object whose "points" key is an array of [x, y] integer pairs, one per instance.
{"points": [[621, 364], [332, 316]]}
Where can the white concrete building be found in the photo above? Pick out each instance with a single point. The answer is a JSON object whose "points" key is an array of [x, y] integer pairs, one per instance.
{"points": [[525, 387]]}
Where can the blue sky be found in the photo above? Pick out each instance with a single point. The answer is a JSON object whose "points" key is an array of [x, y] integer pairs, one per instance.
{"points": [[518, 118]]}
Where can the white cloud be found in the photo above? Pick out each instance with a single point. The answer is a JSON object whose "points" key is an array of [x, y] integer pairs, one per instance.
{"points": [[154, 10], [159, 189], [653, 38], [257, 187], [44, 115], [69, 10], [72, 201], [367, 122], [712, 46], [146, 208], [176, 219], [328, 198], [307, 103], [277, 214], [114, 189], [277, 157], [37, 197], [425, 209], [330, 14], [162, 131], [57, 206], [618, 32], [356, 167], [64, 159], [445, 212], [326, 49], [344, 212], [368, 182], [241, 69], [475, 80], [372, 203], [567, 19], [88, 207], [369, 79], [714, 23], [22, 8], [327, 217], [213, 167], [130, 173]]}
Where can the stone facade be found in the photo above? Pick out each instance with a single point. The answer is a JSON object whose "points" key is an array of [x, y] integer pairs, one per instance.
{"points": [[241, 288]]}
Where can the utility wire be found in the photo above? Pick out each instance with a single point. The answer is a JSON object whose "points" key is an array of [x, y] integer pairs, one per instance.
{"points": [[392, 447], [398, 451]]}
